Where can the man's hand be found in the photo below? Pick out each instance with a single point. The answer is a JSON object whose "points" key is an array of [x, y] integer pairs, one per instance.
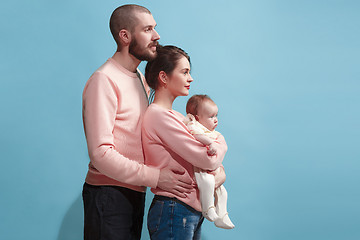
{"points": [[174, 179], [219, 175]]}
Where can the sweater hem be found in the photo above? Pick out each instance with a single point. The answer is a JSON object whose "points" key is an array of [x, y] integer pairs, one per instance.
{"points": [[106, 181]]}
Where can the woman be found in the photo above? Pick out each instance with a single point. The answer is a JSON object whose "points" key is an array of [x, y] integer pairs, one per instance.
{"points": [[166, 140]]}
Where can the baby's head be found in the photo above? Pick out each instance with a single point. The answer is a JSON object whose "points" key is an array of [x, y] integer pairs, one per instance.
{"points": [[204, 110]]}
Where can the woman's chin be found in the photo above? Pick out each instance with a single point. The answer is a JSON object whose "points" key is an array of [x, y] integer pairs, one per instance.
{"points": [[186, 93]]}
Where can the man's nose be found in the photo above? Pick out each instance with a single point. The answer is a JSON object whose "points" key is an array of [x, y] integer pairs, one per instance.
{"points": [[156, 35]]}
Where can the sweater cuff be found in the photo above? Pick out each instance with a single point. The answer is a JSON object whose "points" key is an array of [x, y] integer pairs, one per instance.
{"points": [[152, 177]]}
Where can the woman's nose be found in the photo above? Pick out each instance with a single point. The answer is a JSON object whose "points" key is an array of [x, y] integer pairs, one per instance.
{"points": [[190, 78]]}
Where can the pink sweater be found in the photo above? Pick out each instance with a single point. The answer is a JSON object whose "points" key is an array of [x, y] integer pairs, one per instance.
{"points": [[166, 140], [114, 102]]}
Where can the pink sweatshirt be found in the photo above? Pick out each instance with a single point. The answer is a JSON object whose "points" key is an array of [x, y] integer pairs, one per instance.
{"points": [[166, 140], [114, 102]]}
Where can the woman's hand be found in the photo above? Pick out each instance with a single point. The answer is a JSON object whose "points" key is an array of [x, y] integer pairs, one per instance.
{"points": [[219, 175], [211, 150]]}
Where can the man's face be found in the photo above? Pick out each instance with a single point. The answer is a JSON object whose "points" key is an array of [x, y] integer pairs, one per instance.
{"points": [[144, 38]]}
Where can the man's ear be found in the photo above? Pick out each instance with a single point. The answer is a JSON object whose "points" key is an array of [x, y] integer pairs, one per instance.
{"points": [[125, 36]]}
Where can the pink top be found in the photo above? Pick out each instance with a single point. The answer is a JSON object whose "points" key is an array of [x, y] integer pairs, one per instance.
{"points": [[114, 102], [166, 140]]}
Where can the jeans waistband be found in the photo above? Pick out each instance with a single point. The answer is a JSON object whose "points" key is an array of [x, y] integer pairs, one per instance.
{"points": [[164, 198]]}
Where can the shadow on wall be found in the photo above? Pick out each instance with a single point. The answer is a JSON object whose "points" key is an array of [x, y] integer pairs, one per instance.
{"points": [[72, 226], [73, 222]]}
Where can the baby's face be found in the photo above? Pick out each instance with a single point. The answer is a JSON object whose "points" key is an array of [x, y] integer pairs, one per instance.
{"points": [[207, 115]]}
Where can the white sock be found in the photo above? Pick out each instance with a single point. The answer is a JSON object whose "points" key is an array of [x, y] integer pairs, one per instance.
{"points": [[206, 185], [221, 209], [210, 214]]}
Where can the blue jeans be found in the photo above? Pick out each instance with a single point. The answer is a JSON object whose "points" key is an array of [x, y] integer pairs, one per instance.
{"points": [[170, 218]]}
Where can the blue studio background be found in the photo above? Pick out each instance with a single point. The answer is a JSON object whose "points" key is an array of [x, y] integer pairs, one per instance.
{"points": [[285, 75]]}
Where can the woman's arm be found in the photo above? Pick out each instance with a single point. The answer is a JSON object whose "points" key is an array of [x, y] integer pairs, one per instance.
{"points": [[219, 175], [211, 149], [203, 139], [173, 134]]}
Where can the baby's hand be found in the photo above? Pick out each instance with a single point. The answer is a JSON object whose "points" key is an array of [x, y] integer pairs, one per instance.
{"points": [[211, 150]]}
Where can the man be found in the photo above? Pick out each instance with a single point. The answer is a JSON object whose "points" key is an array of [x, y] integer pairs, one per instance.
{"points": [[114, 101]]}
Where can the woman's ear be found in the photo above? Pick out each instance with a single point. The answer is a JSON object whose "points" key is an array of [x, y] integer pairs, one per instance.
{"points": [[125, 36], [196, 117], [163, 78]]}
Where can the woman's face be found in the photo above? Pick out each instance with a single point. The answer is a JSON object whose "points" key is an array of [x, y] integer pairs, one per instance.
{"points": [[178, 83]]}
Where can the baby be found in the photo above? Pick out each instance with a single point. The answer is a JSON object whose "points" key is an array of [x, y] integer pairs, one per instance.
{"points": [[201, 121]]}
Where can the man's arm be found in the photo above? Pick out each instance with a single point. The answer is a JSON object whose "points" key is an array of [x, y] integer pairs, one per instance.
{"points": [[99, 113]]}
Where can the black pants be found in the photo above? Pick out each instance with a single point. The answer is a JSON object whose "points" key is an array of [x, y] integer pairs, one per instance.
{"points": [[112, 213]]}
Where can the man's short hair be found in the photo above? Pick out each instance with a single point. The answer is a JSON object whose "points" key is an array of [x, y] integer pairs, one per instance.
{"points": [[124, 17]]}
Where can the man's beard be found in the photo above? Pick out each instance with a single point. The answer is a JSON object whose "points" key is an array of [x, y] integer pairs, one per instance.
{"points": [[143, 54]]}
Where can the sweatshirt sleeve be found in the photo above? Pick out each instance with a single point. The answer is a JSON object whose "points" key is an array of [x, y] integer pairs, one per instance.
{"points": [[173, 133], [100, 102]]}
